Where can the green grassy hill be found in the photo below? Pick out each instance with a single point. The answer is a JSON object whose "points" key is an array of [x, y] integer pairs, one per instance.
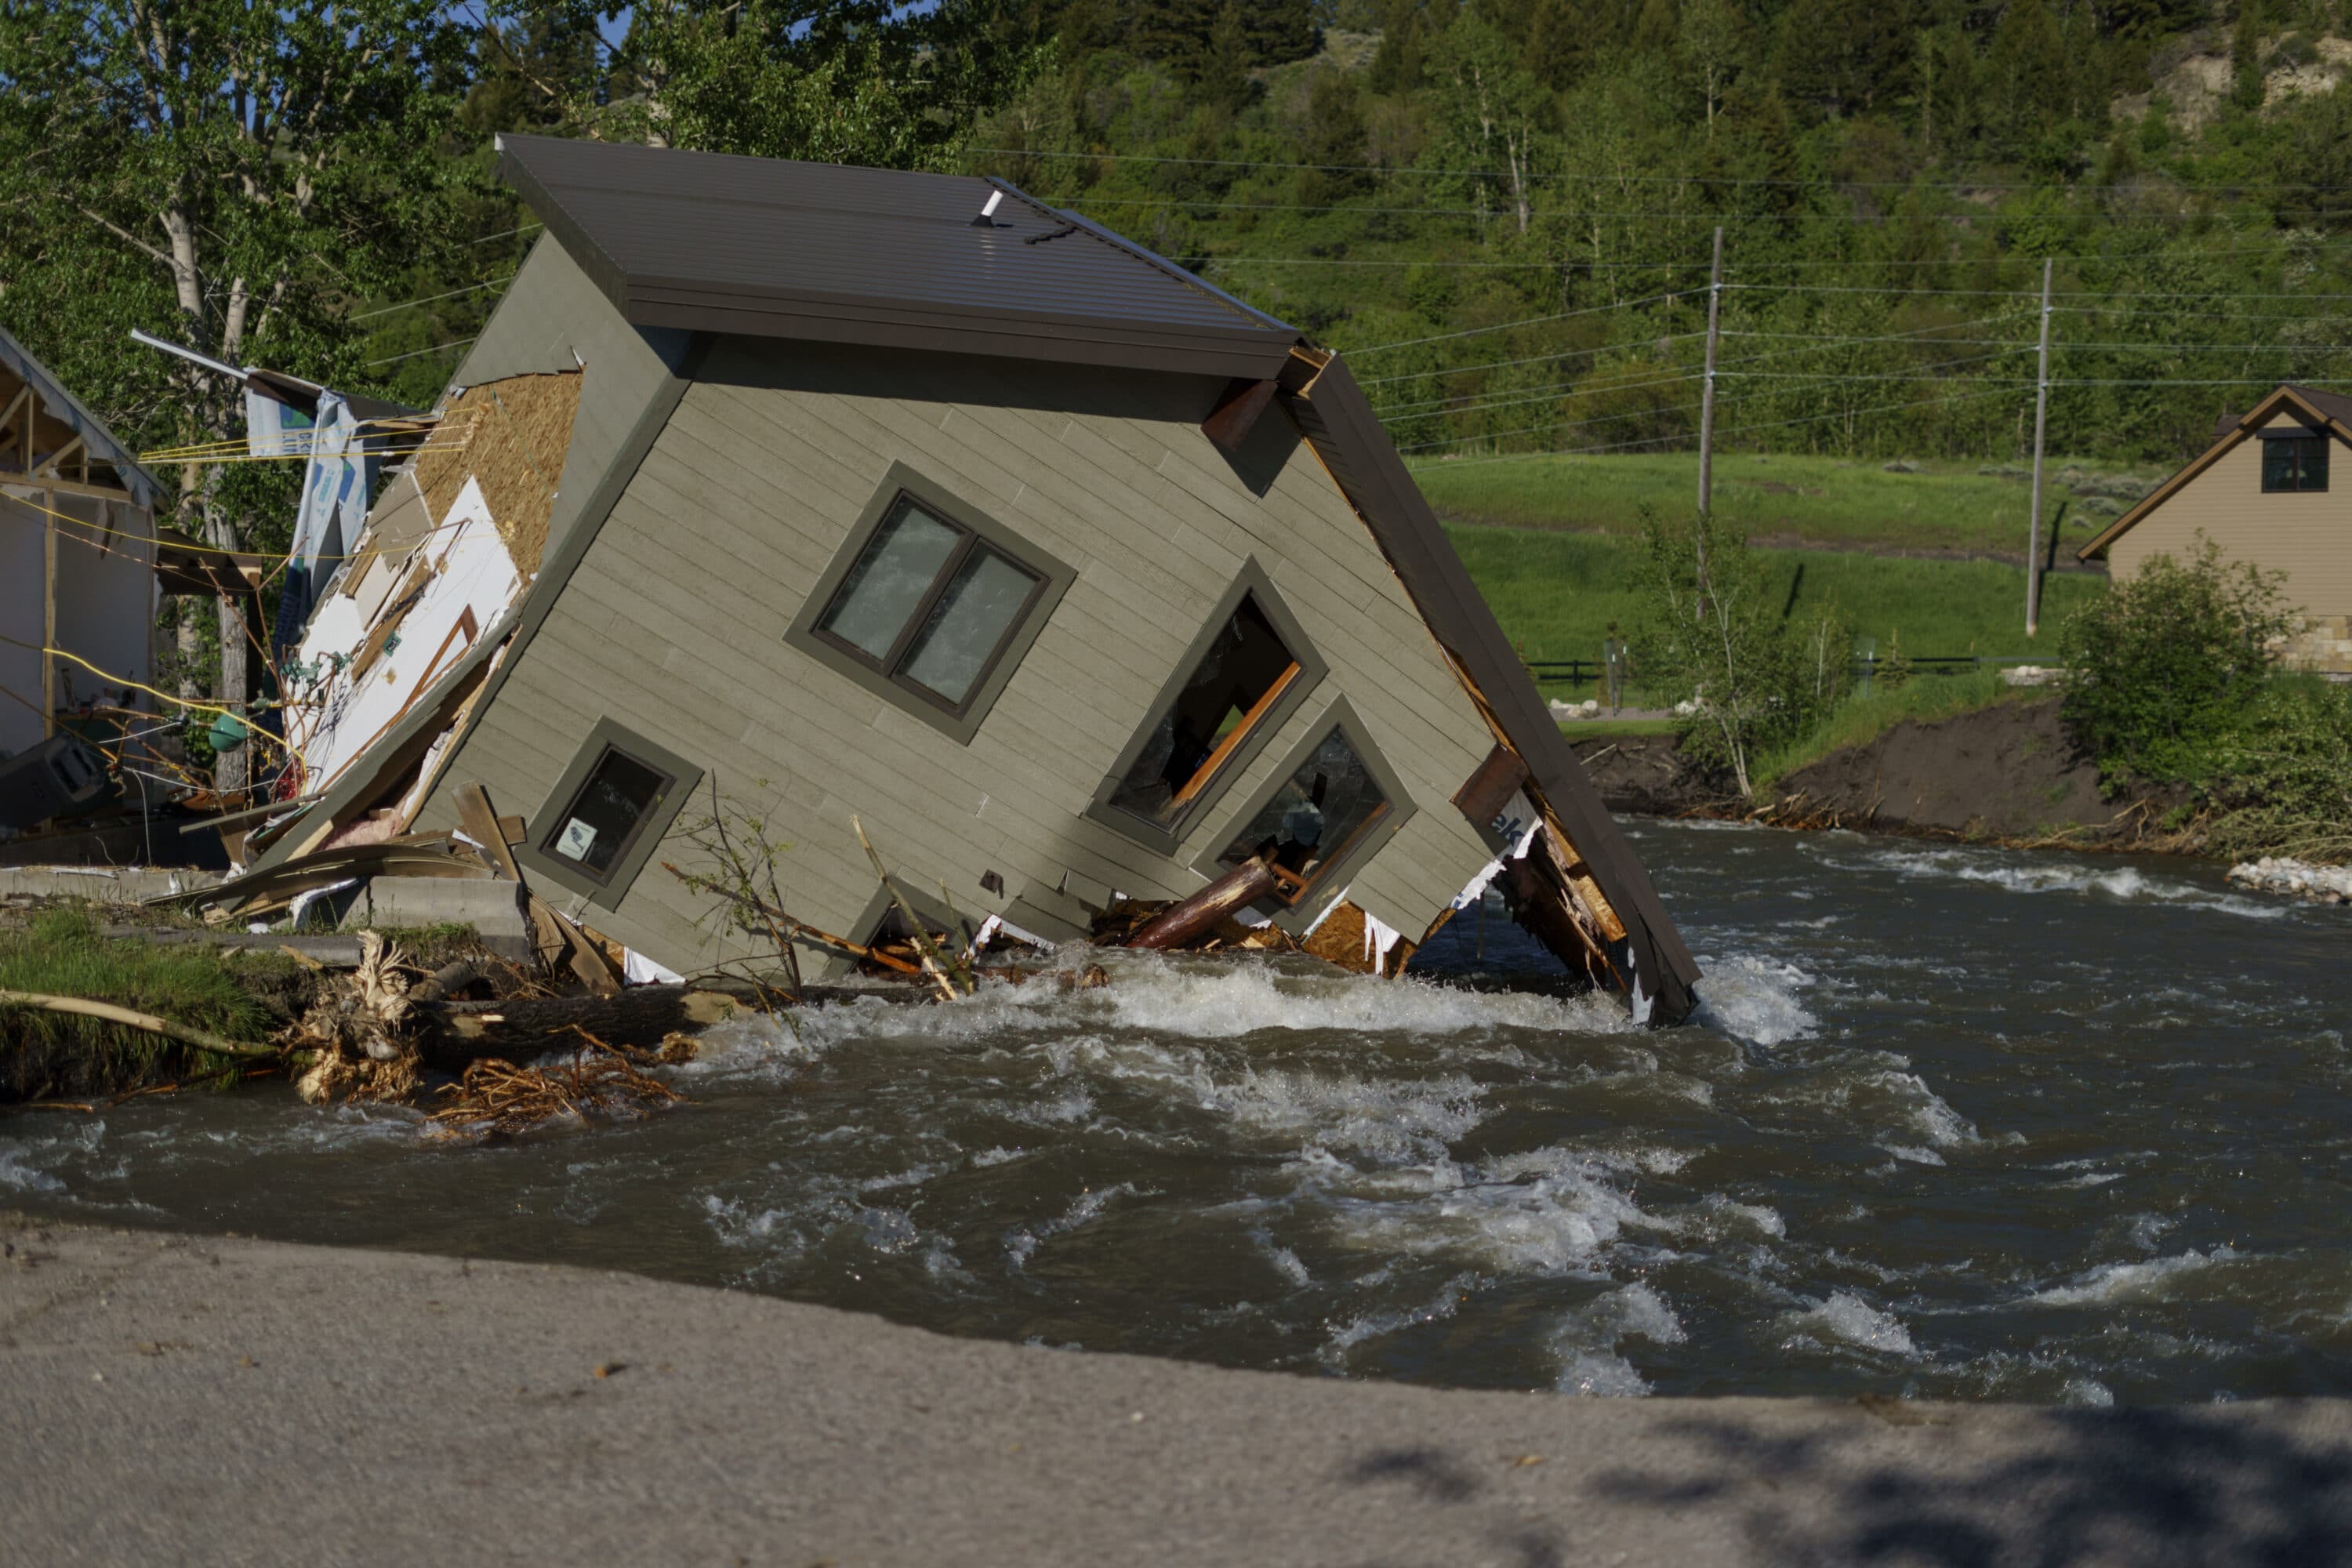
{"points": [[1963, 508], [1557, 594]]}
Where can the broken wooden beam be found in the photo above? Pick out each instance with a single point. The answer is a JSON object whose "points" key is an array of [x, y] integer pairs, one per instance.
{"points": [[1188, 920]]}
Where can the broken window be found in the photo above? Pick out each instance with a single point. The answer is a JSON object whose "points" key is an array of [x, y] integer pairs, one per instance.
{"points": [[606, 814], [1322, 811], [930, 605], [1224, 702]]}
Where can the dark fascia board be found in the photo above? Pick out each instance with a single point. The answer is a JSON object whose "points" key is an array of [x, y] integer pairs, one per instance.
{"points": [[1120, 348], [649, 289], [1333, 880], [901, 479], [607, 731], [1250, 580], [1340, 423]]}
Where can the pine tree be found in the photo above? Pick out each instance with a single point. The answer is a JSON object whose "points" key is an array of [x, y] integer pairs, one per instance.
{"points": [[2246, 56], [1173, 33], [1224, 61], [1280, 31], [1402, 62], [2026, 70]]}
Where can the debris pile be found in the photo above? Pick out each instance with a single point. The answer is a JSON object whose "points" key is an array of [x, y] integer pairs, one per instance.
{"points": [[600, 1082], [357, 1033]]}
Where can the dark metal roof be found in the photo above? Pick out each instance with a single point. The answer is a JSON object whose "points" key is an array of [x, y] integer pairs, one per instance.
{"points": [[714, 242], [66, 409]]}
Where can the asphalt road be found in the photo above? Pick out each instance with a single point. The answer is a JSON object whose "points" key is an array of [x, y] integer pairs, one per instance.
{"points": [[173, 1399]]}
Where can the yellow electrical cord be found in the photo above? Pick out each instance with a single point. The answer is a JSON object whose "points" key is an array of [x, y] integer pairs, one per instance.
{"points": [[168, 697]]}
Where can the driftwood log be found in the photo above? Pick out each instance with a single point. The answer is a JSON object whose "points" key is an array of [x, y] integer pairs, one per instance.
{"points": [[453, 1034]]}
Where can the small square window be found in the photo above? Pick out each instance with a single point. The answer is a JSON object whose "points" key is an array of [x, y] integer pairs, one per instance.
{"points": [[2295, 463], [929, 605], [1322, 811], [599, 825], [606, 815]]}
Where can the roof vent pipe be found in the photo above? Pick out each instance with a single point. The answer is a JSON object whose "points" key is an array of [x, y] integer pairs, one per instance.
{"points": [[987, 218]]}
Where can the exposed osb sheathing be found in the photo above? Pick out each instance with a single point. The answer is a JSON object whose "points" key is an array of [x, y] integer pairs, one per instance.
{"points": [[521, 428], [1340, 939]]}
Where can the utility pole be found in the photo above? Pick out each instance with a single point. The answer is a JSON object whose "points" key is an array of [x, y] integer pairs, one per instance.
{"points": [[1707, 409], [2041, 424]]}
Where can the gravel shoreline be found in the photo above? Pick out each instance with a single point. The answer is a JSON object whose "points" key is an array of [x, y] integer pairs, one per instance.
{"points": [[188, 1399]]}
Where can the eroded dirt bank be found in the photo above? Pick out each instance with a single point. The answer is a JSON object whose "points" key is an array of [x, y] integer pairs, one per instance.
{"points": [[214, 1400], [2005, 774]]}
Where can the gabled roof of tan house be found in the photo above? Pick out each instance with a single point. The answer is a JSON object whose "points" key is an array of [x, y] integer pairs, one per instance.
{"points": [[2329, 411]]}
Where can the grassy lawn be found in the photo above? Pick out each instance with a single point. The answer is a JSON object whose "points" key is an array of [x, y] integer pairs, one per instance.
{"points": [[60, 951], [1837, 502], [1556, 594]]}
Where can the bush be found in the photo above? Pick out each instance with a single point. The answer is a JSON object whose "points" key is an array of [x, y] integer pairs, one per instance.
{"points": [[2285, 774], [1758, 677], [2161, 668]]}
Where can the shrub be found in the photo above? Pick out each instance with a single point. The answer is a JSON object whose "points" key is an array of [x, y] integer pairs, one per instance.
{"points": [[2162, 667], [2285, 774], [1759, 678]]}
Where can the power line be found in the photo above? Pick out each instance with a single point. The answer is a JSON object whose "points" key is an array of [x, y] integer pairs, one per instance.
{"points": [[1527, 322], [1596, 179], [413, 353], [430, 299]]}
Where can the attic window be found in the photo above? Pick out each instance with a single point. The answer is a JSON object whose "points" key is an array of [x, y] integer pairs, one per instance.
{"points": [[2297, 461], [1328, 806], [930, 605]]}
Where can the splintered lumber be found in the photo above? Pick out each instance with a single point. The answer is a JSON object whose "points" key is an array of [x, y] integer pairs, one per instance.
{"points": [[453, 1034], [934, 965], [481, 821], [1188, 920]]}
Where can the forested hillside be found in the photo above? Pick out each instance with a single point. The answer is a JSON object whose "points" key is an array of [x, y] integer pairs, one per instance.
{"points": [[1502, 210]]}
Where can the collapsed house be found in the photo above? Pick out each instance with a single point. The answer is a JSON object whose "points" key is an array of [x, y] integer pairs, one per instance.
{"points": [[83, 562], [818, 493]]}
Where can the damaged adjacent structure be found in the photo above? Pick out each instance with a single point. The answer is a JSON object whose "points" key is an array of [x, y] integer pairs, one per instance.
{"points": [[812, 491]]}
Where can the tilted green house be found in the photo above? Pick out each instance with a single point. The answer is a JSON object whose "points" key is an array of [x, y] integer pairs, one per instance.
{"points": [[907, 496]]}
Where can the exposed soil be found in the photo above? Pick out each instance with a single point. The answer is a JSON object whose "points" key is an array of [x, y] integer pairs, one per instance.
{"points": [[2009, 772]]}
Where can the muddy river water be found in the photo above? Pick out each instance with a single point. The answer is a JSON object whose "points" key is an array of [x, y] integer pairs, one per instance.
{"points": [[1953, 1121]]}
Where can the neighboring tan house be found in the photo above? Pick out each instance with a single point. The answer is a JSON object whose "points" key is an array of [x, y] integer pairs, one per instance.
{"points": [[2264, 491], [907, 497], [78, 560]]}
